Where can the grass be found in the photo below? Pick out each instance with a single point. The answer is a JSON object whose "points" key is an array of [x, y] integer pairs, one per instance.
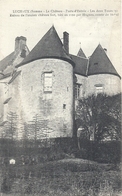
{"points": [[67, 177]]}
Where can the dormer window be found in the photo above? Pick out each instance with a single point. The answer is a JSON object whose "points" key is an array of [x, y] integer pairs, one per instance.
{"points": [[95, 63], [48, 82]]}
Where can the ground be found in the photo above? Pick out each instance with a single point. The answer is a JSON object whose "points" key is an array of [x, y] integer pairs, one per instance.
{"points": [[66, 177]]}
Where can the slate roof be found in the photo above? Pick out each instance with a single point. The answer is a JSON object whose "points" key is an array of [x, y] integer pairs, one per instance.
{"points": [[99, 63], [6, 61], [81, 53], [2, 76], [5, 64], [50, 46], [81, 65]]}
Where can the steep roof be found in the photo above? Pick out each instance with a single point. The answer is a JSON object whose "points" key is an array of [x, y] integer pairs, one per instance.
{"points": [[6, 61], [50, 46], [81, 53], [99, 63], [80, 65], [7, 65]]}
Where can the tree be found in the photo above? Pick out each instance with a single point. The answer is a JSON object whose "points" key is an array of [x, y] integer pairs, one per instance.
{"points": [[9, 134], [99, 116], [37, 129], [10, 128]]}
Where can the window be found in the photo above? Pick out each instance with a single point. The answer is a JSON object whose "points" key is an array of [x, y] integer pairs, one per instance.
{"points": [[7, 100], [48, 82], [95, 63], [99, 89], [77, 90], [64, 106]]}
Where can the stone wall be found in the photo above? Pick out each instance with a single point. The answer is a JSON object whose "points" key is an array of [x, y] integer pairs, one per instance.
{"points": [[4, 95], [110, 84], [82, 80], [54, 110]]}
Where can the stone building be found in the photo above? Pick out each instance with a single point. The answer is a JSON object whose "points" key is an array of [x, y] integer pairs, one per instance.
{"points": [[40, 88]]}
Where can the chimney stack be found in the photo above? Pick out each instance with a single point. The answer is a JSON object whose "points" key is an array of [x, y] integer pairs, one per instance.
{"points": [[66, 41], [20, 43]]}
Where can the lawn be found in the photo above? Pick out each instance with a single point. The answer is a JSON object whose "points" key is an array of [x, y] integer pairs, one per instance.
{"points": [[67, 177]]}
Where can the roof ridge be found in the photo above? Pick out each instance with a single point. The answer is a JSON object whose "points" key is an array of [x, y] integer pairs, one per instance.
{"points": [[79, 56], [96, 49]]}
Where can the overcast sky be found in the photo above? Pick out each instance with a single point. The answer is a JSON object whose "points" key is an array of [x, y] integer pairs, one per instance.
{"points": [[84, 31]]}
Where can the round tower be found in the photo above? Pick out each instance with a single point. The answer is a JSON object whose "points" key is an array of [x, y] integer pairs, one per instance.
{"points": [[47, 88], [102, 76]]}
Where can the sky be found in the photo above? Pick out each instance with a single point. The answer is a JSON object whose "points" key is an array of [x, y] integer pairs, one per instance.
{"points": [[85, 31]]}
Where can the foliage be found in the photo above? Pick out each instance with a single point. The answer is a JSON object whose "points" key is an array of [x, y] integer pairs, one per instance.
{"points": [[99, 117], [10, 127], [102, 152], [37, 128], [44, 150], [67, 177]]}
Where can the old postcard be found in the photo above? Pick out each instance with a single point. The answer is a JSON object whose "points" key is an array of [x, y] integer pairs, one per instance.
{"points": [[60, 96]]}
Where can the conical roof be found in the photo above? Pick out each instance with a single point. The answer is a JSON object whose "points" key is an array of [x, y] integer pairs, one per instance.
{"points": [[81, 53], [99, 63], [50, 46]]}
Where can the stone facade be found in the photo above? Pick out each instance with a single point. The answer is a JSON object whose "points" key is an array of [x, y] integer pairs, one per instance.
{"points": [[106, 83], [55, 108], [41, 91]]}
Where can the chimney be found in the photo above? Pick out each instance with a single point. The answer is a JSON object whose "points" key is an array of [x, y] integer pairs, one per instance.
{"points": [[20, 43], [66, 41]]}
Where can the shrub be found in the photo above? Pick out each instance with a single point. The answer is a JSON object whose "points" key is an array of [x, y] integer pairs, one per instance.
{"points": [[105, 152]]}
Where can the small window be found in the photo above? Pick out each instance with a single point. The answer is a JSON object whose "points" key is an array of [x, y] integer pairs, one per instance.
{"points": [[99, 89], [95, 63], [64, 106], [77, 90], [48, 82], [7, 100]]}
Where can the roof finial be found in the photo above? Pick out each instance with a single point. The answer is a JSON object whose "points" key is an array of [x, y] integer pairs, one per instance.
{"points": [[99, 44]]}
